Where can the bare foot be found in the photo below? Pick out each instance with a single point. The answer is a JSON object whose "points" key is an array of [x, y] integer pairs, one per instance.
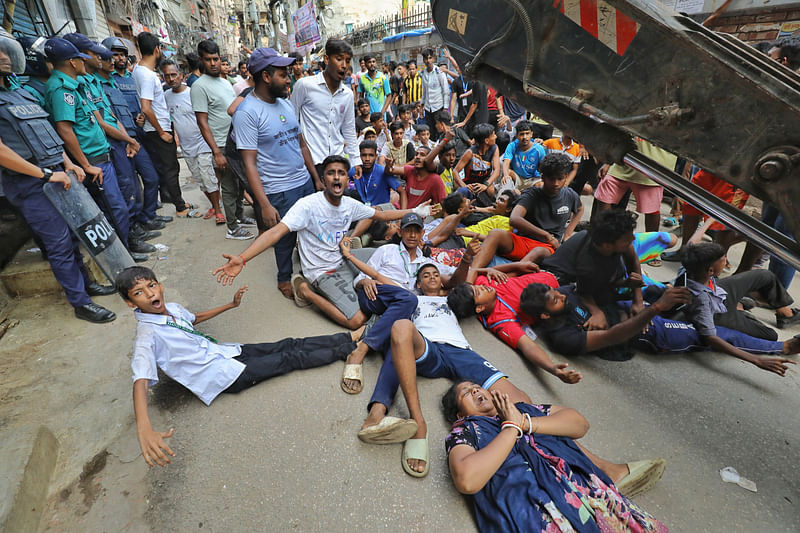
{"points": [[356, 357], [376, 413], [791, 346], [418, 465], [286, 289], [617, 472], [357, 333]]}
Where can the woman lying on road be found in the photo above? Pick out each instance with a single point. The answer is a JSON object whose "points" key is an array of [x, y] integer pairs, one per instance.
{"points": [[526, 473]]}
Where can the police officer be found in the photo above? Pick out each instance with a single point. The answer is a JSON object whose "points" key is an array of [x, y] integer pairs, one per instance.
{"points": [[77, 122], [145, 209], [31, 153], [127, 86], [36, 68]]}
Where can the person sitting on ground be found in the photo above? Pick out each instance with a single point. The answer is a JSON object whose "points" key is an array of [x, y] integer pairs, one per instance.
{"points": [[368, 134], [456, 208], [716, 301], [374, 186], [378, 124], [458, 137], [481, 164], [526, 472], [522, 157], [421, 184], [602, 262], [442, 160], [399, 149], [404, 117], [362, 117], [166, 338], [549, 213], [496, 302], [423, 137], [565, 145]]}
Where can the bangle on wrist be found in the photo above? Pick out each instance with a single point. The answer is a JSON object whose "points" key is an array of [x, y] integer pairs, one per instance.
{"points": [[527, 418], [509, 424], [244, 263]]}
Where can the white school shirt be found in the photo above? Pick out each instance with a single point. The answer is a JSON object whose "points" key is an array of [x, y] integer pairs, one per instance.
{"points": [[204, 367], [320, 226], [436, 322], [394, 262], [327, 120]]}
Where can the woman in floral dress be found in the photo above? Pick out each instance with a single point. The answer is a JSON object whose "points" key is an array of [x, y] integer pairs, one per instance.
{"points": [[526, 473]]}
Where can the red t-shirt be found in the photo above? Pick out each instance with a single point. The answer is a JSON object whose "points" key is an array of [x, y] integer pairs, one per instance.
{"points": [[418, 191], [506, 319]]}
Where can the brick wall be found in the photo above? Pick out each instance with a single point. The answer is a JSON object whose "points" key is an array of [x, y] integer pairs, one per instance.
{"points": [[763, 26]]}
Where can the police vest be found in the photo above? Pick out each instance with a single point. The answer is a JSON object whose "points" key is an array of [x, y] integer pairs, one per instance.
{"points": [[119, 105], [128, 88], [39, 86], [25, 129]]}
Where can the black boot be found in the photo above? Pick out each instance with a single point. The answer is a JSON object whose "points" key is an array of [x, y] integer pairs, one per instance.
{"points": [[94, 313], [95, 289]]}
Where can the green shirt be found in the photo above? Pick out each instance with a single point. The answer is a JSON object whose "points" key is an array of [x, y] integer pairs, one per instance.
{"points": [[32, 90], [95, 93], [66, 101], [213, 95]]}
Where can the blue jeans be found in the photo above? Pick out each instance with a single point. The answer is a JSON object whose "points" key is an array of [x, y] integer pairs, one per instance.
{"points": [[392, 304], [782, 270], [672, 336], [282, 201]]}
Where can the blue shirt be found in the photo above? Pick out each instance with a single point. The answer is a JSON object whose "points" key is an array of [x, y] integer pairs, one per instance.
{"points": [[272, 130], [374, 187], [525, 164]]}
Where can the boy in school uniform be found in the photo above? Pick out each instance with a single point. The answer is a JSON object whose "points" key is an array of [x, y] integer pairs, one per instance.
{"points": [[166, 339]]}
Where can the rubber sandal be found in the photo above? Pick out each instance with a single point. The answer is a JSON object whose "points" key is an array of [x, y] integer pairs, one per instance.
{"points": [[642, 477], [209, 214], [299, 301], [353, 372], [654, 263], [390, 430], [189, 213], [670, 222], [416, 449], [220, 219]]}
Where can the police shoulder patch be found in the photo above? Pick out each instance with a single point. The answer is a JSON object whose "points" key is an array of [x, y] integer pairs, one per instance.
{"points": [[69, 98]]}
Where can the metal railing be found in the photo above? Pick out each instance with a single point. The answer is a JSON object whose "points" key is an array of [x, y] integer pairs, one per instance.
{"points": [[416, 18]]}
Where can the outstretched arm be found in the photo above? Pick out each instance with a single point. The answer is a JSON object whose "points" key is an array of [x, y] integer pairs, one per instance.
{"points": [[534, 353], [154, 450], [202, 316], [776, 365], [226, 273]]}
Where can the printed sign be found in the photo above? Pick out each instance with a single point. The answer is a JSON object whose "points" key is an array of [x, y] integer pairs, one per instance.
{"points": [[97, 234], [306, 30], [457, 21]]}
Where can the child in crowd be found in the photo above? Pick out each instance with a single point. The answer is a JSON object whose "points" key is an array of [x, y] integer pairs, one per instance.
{"points": [[399, 149], [421, 184], [404, 116], [423, 136], [419, 113], [368, 134], [456, 208], [379, 125], [458, 136], [196, 151], [522, 157], [566, 145], [481, 164], [166, 339], [374, 186]]}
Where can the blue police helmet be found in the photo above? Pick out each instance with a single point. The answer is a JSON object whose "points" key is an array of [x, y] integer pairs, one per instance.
{"points": [[35, 61]]}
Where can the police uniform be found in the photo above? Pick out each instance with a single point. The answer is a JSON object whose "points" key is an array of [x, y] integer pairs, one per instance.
{"points": [[66, 100], [25, 129], [145, 208]]}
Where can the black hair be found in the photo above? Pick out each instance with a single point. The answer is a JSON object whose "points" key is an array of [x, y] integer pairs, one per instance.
{"points": [[450, 403], [790, 49], [610, 225], [297, 57], [367, 57], [242, 63], [443, 116], [452, 203], [402, 64], [147, 43], [513, 197], [375, 116], [411, 62], [447, 147], [462, 301], [422, 127], [361, 101], [403, 108], [428, 52], [392, 65], [555, 165], [127, 278], [503, 140], [533, 300], [207, 47], [335, 159], [377, 230], [481, 132], [698, 258], [396, 125], [524, 125], [338, 46], [763, 46], [223, 59], [423, 267], [368, 145], [193, 61]]}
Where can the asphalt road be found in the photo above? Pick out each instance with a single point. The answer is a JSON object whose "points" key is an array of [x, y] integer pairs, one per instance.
{"points": [[284, 456]]}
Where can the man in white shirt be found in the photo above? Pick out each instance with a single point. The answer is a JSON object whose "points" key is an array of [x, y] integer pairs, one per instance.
{"points": [[158, 139], [324, 106], [435, 89]]}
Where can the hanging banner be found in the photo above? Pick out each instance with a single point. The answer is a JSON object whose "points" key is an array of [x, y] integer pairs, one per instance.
{"points": [[306, 31]]}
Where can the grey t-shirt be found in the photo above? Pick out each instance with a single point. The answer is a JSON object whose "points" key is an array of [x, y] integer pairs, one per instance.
{"points": [[213, 96], [550, 214]]}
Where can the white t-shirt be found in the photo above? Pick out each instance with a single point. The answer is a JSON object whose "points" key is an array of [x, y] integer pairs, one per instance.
{"points": [[320, 226], [148, 86], [437, 323], [185, 122]]}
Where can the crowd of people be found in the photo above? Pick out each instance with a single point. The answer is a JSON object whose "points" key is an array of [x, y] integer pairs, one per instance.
{"points": [[415, 198]]}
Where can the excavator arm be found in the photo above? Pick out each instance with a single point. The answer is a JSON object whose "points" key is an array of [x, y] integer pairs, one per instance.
{"points": [[606, 71]]}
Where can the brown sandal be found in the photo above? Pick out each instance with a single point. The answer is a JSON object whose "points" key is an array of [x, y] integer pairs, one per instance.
{"points": [[286, 290]]}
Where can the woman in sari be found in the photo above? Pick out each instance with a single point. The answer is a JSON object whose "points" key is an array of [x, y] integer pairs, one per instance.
{"points": [[525, 472]]}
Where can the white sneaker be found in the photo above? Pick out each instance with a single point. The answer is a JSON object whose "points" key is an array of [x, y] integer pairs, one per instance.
{"points": [[239, 234]]}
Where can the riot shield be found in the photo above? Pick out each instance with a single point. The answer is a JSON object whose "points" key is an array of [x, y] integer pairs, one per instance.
{"points": [[88, 223]]}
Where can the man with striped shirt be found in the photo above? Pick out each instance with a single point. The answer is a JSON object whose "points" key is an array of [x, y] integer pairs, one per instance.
{"points": [[412, 84]]}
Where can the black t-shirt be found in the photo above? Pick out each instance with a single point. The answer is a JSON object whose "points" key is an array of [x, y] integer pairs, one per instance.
{"points": [[578, 261], [550, 214], [459, 87], [396, 85], [361, 124], [564, 333], [480, 96]]}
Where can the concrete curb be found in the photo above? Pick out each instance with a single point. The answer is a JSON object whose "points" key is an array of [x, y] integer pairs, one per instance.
{"points": [[30, 498]]}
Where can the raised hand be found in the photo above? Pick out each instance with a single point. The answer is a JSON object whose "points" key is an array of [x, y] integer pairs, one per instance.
{"points": [[226, 273]]}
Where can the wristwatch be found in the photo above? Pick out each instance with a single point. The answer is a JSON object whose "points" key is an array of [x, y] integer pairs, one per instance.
{"points": [[47, 174]]}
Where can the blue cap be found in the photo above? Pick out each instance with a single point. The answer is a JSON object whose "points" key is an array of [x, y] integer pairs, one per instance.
{"points": [[58, 49], [262, 58], [83, 43], [104, 53], [411, 219]]}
